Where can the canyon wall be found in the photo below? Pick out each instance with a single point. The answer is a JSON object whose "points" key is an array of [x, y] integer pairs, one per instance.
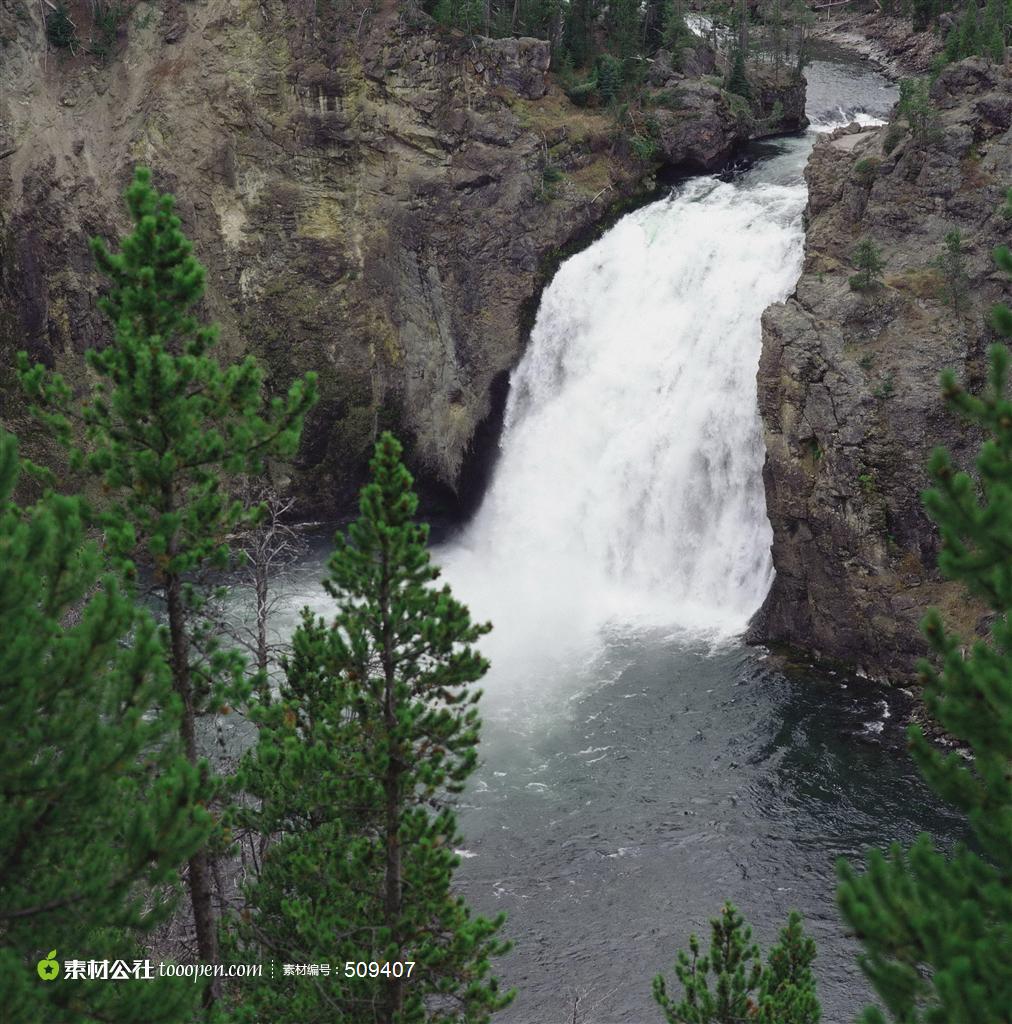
{"points": [[848, 381], [374, 198]]}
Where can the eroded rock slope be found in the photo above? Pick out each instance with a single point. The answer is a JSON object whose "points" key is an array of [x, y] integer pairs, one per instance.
{"points": [[848, 381], [374, 199]]}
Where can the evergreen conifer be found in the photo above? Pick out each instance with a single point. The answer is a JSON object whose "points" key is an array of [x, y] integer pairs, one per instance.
{"points": [[737, 79], [952, 265], [869, 263], [164, 426], [98, 806], [354, 773], [744, 989], [937, 929]]}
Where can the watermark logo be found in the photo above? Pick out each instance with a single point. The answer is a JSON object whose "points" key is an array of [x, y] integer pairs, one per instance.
{"points": [[49, 968]]}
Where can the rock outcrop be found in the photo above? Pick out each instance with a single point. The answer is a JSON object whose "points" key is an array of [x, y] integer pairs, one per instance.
{"points": [[375, 199], [889, 41], [698, 125], [848, 381]]}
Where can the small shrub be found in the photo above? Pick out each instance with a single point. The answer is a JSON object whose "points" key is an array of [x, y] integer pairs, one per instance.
{"points": [[670, 98], [864, 170], [893, 134], [869, 263], [60, 29], [584, 94], [886, 386], [551, 175], [952, 266], [105, 29], [866, 481], [915, 105], [739, 106], [644, 147], [866, 361]]}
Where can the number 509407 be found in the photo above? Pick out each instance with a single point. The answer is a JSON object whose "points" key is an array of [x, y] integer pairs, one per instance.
{"points": [[373, 969]]}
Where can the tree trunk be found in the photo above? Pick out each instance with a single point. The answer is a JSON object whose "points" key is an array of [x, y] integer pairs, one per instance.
{"points": [[199, 875], [393, 893], [261, 586], [392, 901]]}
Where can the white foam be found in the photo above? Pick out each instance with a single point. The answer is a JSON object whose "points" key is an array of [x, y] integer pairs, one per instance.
{"points": [[629, 487]]}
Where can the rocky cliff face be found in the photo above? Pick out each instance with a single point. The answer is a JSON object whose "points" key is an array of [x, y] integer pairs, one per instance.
{"points": [[848, 381], [697, 125], [374, 200], [889, 41]]}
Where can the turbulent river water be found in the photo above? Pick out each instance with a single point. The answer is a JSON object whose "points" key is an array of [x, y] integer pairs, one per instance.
{"points": [[639, 764]]}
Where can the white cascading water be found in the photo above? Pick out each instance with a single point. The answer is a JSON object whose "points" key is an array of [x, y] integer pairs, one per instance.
{"points": [[629, 485]]}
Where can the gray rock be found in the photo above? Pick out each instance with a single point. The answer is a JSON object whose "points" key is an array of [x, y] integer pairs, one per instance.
{"points": [[848, 382]]}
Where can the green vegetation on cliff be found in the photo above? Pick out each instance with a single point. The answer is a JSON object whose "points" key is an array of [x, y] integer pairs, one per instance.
{"points": [[937, 928], [968, 29], [603, 52]]}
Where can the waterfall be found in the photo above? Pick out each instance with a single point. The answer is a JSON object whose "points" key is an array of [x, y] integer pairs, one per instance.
{"points": [[629, 485]]}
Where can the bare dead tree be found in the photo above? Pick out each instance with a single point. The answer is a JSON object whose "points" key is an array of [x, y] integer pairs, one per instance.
{"points": [[266, 550]]}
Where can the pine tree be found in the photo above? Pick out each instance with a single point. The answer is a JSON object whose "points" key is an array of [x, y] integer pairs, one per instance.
{"points": [[737, 79], [355, 770], [969, 31], [623, 27], [787, 987], [164, 425], [923, 14], [579, 32], [608, 73], [781, 992], [916, 106], [952, 265], [994, 31], [98, 807], [937, 929], [869, 263], [675, 32]]}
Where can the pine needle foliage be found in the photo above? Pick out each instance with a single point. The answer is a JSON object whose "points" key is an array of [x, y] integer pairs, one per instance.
{"points": [[937, 929], [98, 806], [355, 771], [730, 984], [870, 264], [164, 427]]}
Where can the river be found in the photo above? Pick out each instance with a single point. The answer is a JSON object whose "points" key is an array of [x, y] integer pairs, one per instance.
{"points": [[639, 764]]}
